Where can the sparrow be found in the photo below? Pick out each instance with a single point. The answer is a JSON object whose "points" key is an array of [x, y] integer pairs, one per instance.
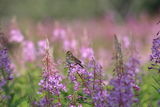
{"points": [[71, 59]]}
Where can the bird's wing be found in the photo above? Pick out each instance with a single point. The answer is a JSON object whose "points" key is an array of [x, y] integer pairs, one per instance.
{"points": [[77, 60]]}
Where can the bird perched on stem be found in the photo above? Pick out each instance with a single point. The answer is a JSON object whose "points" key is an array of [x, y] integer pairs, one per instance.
{"points": [[70, 59]]}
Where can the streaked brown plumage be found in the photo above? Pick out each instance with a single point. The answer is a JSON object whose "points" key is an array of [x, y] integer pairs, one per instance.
{"points": [[70, 59]]}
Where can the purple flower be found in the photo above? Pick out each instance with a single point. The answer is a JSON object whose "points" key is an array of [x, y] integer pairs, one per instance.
{"points": [[74, 71], [91, 82], [2, 83], [99, 94], [132, 68], [122, 94], [155, 57], [5, 66], [51, 82], [5, 75]]}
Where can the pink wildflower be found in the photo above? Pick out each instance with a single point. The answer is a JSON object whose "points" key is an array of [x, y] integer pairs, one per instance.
{"points": [[28, 51], [16, 36]]}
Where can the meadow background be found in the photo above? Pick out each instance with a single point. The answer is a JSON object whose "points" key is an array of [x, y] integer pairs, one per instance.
{"points": [[87, 29]]}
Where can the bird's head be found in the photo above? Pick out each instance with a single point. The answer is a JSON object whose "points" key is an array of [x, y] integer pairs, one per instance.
{"points": [[69, 53]]}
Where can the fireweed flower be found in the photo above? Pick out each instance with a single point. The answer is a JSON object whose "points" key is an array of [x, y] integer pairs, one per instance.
{"points": [[96, 84], [76, 70], [5, 67], [16, 36], [70, 44], [51, 82], [155, 57], [126, 41], [90, 80], [29, 52], [132, 67], [93, 75], [122, 95], [69, 41], [41, 47], [76, 74], [87, 52], [5, 76], [59, 33]]}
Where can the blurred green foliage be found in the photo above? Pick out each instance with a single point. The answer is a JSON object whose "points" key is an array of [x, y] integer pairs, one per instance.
{"points": [[41, 9]]}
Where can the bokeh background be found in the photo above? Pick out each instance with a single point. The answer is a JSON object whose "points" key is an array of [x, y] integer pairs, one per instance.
{"points": [[72, 25], [76, 9], [98, 17]]}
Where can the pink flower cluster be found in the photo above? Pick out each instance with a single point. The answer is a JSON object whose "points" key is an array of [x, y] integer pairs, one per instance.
{"points": [[51, 82], [16, 36]]}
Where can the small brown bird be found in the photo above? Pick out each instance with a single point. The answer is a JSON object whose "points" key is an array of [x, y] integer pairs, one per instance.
{"points": [[70, 59]]}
